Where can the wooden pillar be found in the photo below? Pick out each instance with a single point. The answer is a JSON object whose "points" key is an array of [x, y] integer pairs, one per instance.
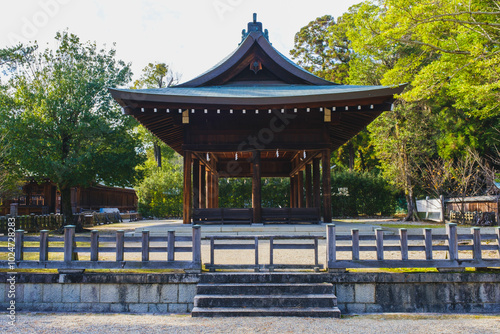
{"points": [[188, 193], [316, 183], [300, 189], [327, 191], [292, 191], [309, 203], [216, 190], [196, 183], [209, 189], [256, 188], [203, 187]]}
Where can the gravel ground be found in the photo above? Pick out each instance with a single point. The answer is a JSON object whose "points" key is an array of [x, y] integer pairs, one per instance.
{"points": [[121, 323]]}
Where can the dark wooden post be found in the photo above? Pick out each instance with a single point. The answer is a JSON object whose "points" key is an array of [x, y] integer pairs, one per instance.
{"points": [[203, 187], [292, 191], [196, 183], [216, 190], [309, 203], [256, 188], [300, 189], [209, 189], [451, 231], [327, 191], [187, 188], [428, 243], [316, 183]]}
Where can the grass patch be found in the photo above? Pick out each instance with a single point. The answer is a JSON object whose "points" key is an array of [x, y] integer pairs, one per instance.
{"points": [[411, 226]]}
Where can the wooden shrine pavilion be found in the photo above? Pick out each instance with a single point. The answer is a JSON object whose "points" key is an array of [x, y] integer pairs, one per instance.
{"points": [[256, 114]]}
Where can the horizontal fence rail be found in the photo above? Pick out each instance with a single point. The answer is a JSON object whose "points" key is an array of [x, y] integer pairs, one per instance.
{"points": [[354, 250], [426, 243], [69, 249], [232, 243]]}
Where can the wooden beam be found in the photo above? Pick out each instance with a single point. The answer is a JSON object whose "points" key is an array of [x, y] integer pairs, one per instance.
{"points": [[187, 188], [308, 186], [256, 188], [210, 165], [301, 164], [316, 183], [327, 191]]}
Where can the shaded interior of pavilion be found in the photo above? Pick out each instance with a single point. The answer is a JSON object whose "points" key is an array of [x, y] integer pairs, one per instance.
{"points": [[204, 170]]}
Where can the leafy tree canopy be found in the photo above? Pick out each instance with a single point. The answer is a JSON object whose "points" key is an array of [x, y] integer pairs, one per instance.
{"points": [[63, 124]]}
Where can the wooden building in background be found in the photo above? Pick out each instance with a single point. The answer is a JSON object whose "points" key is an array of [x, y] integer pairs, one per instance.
{"points": [[43, 198], [257, 114]]}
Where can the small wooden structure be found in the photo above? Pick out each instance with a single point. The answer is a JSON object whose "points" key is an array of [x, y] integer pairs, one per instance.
{"points": [[44, 198], [256, 114]]}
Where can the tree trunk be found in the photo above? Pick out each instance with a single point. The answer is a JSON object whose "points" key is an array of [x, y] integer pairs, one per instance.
{"points": [[157, 153], [351, 156], [412, 210], [67, 210]]}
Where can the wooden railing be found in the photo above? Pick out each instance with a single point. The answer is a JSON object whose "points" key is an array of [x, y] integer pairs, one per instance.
{"points": [[33, 223], [426, 243], [274, 244], [94, 245]]}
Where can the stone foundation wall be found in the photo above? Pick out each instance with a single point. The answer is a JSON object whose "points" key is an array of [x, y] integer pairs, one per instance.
{"points": [[418, 292], [137, 293], [174, 293]]}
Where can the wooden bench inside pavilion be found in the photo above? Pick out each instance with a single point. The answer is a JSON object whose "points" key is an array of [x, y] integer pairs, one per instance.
{"points": [[256, 115]]}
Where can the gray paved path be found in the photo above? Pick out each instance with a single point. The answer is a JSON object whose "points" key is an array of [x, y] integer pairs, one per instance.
{"points": [[121, 323]]}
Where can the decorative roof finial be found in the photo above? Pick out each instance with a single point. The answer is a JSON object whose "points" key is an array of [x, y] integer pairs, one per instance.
{"points": [[254, 27]]}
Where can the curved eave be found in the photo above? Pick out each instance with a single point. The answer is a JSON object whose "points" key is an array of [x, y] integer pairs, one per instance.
{"points": [[131, 98], [234, 59]]}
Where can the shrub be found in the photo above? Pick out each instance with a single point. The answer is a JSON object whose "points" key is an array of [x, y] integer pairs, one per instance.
{"points": [[355, 193]]}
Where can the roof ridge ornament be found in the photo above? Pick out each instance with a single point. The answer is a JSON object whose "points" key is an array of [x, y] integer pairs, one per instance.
{"points": [[254, 26]]}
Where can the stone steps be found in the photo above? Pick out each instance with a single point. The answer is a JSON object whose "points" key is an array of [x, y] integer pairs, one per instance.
{"points": [[266, 312], [263, 295]]}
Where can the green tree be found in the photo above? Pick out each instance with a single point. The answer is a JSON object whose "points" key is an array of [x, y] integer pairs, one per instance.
{"points": [[63, 124], [322, 48]]}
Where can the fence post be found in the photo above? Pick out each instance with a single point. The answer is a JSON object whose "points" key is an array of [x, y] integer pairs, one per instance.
{"points": [[212, 253], [451, 231], [271, 254], [428, 243], [197, 244], [120, 245], [69, 243], [379, 236], [145, 246], [256, 269], [355, 243], [476, 239], [331, 248], [19, 242], [44, 245], [403, 241], [171, 246], [94, 245]]}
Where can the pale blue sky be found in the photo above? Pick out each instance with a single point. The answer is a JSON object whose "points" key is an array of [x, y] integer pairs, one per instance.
{"points": [[190, 35]]}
